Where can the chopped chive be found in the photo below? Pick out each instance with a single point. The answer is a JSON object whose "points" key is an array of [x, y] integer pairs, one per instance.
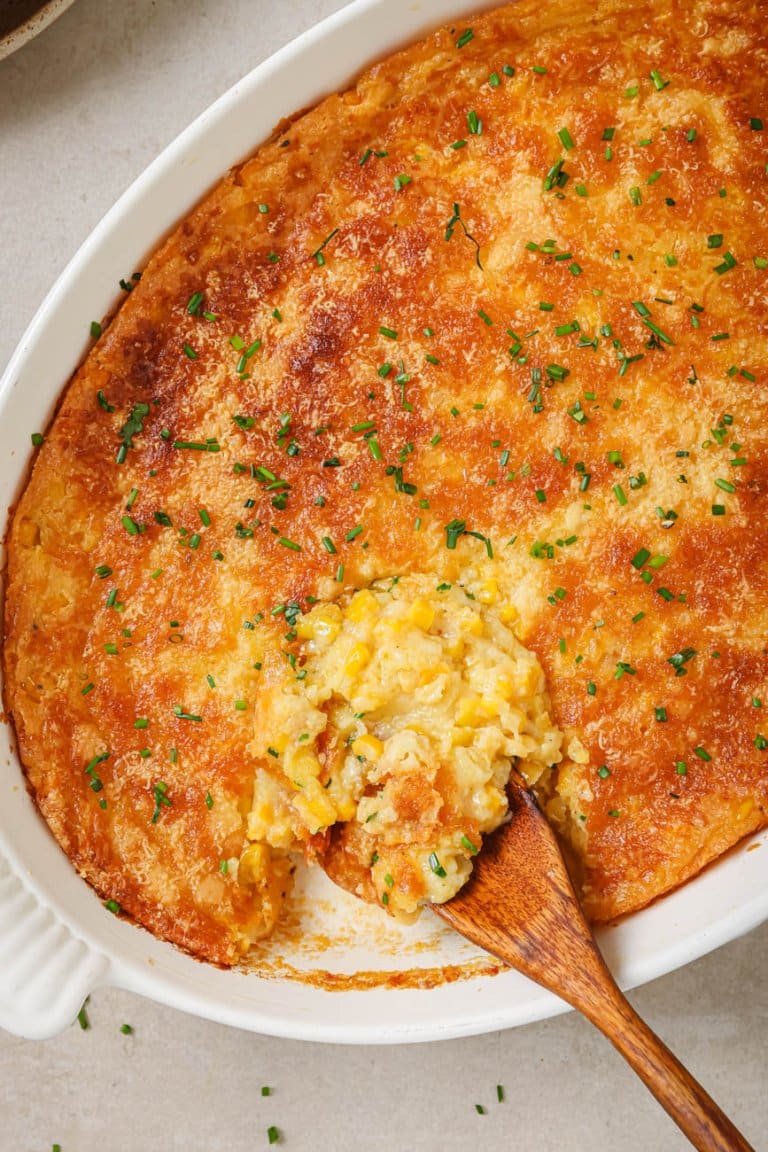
{"points": [[566, 139], [658, 331]]}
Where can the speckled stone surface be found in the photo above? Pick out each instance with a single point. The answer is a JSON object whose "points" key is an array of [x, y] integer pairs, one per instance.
{"points": [[83, 109]]}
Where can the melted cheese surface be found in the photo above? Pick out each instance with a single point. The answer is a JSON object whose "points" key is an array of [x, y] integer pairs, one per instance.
{"points": [[497, 313]]}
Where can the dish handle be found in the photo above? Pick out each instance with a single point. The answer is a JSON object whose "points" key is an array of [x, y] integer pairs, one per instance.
{"points": [[46, 973]]}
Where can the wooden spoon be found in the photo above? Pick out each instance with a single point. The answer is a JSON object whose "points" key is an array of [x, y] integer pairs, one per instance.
{"points": [[520, 906]]}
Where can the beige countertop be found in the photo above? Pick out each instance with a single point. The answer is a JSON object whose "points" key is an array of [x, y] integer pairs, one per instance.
{"points": [[83, 109]]}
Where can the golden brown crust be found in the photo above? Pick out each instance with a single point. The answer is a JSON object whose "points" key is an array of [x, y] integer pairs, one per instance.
{"points": [[388, 265]]}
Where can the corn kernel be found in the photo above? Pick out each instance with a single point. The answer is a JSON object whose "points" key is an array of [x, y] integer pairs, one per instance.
{"points": [[322, 623], [468, 710], [345, 808], [421, 614], [474, 625], [527, 679], [314, 806], [461, 737], [362, 606], [505, 687], [489, 593], [358, 657], [302, 766], [254, 864], [368, 746], [455, 647], [508, 614]]}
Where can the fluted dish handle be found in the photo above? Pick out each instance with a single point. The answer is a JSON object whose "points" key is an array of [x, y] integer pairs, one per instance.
{"points": [[45, 971]]}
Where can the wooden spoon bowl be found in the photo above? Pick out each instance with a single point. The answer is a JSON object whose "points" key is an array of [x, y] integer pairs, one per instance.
{"points": [[520, 906]]}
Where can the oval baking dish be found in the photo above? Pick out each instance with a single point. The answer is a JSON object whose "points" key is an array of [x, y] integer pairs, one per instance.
{"points": [[57, 941]]}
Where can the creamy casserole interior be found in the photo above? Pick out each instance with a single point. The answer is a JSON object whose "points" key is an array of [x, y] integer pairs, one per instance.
{"points": [[406, 708]]}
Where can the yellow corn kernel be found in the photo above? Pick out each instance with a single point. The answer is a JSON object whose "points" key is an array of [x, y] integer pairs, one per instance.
{"points": [[358, 657], [455, 647], [473, 624], [527, 679], [421, 614], [345, 808], [468, 710], [362, 606], [254, 864], [508, 613], [368, 746], [303, 766], [490, 706], [505, 687], [461, 737], [322, 623], [489, 593], [314, 806]]}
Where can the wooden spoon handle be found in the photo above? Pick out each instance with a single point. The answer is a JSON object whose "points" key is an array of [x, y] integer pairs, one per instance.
{"points": [[692, 1109]]}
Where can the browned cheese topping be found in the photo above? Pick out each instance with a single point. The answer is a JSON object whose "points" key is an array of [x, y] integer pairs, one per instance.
{"points": [[497, 317]]}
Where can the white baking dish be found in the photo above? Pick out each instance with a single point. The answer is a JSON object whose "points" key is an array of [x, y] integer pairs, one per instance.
{"points": [[57, 942]]}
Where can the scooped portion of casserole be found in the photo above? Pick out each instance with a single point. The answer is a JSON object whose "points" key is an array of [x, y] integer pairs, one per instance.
{"points": [[396, 728]]}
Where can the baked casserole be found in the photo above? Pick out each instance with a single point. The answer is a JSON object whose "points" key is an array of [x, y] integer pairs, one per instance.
{"points": [[432, 443]]}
